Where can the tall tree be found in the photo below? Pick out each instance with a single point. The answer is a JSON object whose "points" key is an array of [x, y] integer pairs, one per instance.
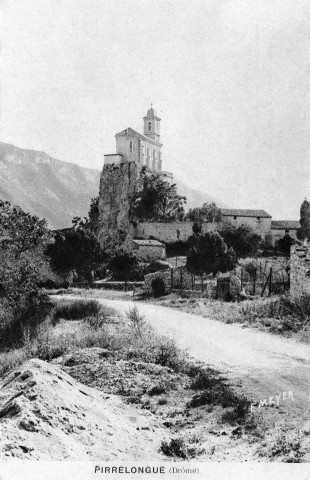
{"points": [[157, 200], [23, 238], [76, 250], [208, 212], [124, 266], [210, 254], [284, 244], [21, 232], [242, 239], [304, 231]]}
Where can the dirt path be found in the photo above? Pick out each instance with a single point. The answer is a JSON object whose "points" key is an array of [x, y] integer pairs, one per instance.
{"points": [[264, 365]]}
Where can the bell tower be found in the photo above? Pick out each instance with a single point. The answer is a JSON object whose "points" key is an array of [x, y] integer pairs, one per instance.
{"points": [[152, 125]]}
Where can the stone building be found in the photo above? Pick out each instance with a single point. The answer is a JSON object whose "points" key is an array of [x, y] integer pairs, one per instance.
{"points": [[281, 227], [120, 179], [258, 220], [144, 150], [148, 250]]}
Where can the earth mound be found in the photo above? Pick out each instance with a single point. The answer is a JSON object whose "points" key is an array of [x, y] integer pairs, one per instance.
{"points": [[47, 415]]}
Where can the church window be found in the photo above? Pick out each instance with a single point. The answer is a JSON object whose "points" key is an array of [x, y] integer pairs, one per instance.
{"points": [[130, 146], [149, 126]]}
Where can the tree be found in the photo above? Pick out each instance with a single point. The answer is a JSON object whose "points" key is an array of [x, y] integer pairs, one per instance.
{"points": [[210, 254], [242, 239], [76, 250], [93, 215], [21, 232], [23, 238], [284, 244], [209, 212], [124, 266], [304, 231], [157, 200], [267, 242]]}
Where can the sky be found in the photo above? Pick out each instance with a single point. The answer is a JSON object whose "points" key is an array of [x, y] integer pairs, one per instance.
{"points": [[230, 80]]}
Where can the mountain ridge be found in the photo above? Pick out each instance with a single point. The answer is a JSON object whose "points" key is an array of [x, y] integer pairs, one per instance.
{"points": [[58, 190]]}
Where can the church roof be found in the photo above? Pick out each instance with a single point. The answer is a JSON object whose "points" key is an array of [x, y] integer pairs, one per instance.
{"points": [[151, 112], [239, 212], [285, 224], [132, 132]]}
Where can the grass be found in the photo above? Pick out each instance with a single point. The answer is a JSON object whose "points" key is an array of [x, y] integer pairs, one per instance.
{"points": [[75, 310], [215, 391], [52, 339], [277, 314]]}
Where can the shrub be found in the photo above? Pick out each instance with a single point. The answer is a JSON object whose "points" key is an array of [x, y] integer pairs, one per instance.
{"points": [[167, 354], [176, 448], [242, 239], [12, 359], [157, 390], [75, 310], [158, 287], [136, 320], [204, 379]]}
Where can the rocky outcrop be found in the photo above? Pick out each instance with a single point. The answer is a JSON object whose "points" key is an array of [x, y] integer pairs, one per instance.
{"points": [[118, 183]]}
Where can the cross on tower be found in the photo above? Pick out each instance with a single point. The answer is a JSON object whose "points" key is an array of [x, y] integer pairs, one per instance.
{"points": [[151, 105]]}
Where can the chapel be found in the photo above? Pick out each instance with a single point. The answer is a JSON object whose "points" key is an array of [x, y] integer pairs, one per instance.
{"points": [[143, 149]]}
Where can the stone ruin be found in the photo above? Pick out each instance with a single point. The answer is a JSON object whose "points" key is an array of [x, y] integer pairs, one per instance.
{"points": [[299, 271]]}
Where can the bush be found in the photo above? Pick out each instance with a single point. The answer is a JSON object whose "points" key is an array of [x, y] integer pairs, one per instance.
{"points": [[176, 448], [158, 287], [242, 239], [27, 315], [75, 310], [136, 320]]}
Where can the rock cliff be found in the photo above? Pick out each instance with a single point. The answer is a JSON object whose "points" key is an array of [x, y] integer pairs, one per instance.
{"points": [[118, 183]]}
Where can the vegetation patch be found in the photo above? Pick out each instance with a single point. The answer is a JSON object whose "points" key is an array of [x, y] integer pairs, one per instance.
{"points": [[175, 448], [79, 309]]}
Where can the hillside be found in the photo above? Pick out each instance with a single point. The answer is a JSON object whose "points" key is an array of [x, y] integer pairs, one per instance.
{"points": [[44, 186], [195, 198], [57, 190]]}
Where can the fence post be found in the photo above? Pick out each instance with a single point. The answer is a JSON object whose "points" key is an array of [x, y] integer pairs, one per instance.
{"points": [[266, 283], [192, 282], [241, 278], [270, 282], [202, 283], [181, 278], [171, 278], [254, 283]]}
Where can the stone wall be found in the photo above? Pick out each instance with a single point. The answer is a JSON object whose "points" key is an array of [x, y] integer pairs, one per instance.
{"points": [[299, 271], [118, 183], [182, 279], [170, 232], [166, 276], [261, 226]]}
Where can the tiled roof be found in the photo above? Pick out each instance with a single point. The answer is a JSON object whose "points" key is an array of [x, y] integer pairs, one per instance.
{"points": [[133, 132], [152, 243], [238, 212], [285, 224]]}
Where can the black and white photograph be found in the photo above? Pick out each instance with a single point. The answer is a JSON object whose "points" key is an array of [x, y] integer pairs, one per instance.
{"points": [[154, 239]]}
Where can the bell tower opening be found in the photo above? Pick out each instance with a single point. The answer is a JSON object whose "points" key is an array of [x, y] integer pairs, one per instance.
{"points": [[152, 125]]}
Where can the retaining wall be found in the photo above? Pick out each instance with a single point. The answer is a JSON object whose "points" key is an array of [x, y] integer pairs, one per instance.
{"points": [[171, 232]]}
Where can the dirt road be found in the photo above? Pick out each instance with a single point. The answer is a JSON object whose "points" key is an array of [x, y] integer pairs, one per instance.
{"points": [[262, 364], [267, 365]]}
